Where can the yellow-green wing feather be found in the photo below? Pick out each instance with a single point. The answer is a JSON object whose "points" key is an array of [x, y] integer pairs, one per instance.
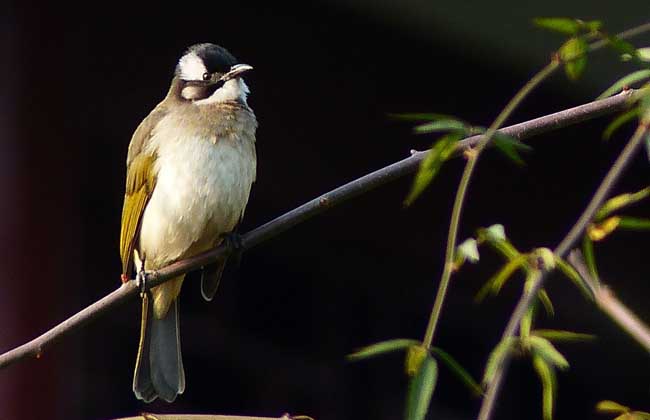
{"points": [[140, 182]]}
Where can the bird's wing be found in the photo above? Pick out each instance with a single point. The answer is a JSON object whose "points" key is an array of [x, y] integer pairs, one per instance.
{"points": [[140, 182]]}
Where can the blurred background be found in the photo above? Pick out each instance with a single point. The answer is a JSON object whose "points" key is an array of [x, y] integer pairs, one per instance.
{"points": [[77, 80]]}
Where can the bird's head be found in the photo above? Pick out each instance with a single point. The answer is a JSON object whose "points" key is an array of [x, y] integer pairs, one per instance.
{"points": [[209, 74]]}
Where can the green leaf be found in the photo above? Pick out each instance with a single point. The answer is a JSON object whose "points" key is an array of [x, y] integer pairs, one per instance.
{"points": [[574, 55], [546, 302], [626, 82], [421, 389], [590, 258], [619, 121], [621, 46], [499, 353], [563, 336], [421, 116], [643, 54], [431, 164], [442, 126], [640, 415], [621, 201], [468, 250], [510, 147], [383, 347], [543, 348], [547, 377], [591, 25], [607, 406], [457, 370], [573, 275], [633, 223], [496, 282], [565, 26]]}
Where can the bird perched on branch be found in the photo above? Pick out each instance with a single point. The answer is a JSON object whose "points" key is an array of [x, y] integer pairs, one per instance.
{"points": [[190, 167]]}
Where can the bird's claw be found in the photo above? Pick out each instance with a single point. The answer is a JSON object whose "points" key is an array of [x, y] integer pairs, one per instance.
{"points": [[141, 282], [235, 244]]}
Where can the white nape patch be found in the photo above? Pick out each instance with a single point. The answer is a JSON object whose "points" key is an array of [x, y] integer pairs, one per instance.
{"points": [[191, 67], [233, 90]]}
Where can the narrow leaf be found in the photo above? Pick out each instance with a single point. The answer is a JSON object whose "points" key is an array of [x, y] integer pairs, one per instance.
{"points": [[543, 348], [612, 407], [563, 336], [625, 82], [621, 201], [499, 353], [457, 370], [510, 147], [621, 46], [619, 121], [565, 26], [643, 54], [640, 415], [574, 55], [590, 258], [496, 282], [591, 25], [430, 166], [573, 275], [499, 243], [442, 126], [547, 377], [421, 389], [633, 223], [383, 347], [546, 302]]}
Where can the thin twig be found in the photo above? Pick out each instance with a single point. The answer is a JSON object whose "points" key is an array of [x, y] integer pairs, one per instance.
{"points": [[461, 193], [561, 250], [366, 183], [608, 303]]}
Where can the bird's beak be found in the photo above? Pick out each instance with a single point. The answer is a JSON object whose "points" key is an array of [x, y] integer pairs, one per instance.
{"points": [[236, 71]]}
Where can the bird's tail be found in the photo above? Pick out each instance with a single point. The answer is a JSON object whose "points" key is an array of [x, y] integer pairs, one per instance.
{"points": [[159, 366]]}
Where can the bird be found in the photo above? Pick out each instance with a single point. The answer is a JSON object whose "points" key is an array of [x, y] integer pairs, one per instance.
{"points": [[190, 166]]}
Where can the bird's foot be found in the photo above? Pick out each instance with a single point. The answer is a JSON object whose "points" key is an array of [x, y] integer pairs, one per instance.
{"points": [[141, 282], [234, 242]]}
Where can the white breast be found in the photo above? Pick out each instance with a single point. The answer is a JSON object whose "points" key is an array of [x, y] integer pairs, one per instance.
{"points": [[201, 192]]}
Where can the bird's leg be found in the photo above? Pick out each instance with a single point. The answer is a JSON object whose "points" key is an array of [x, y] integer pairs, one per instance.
{"points": [[235, 245]]}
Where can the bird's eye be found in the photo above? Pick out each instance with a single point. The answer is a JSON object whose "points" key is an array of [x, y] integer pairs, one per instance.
{"points": [[206, 76]]}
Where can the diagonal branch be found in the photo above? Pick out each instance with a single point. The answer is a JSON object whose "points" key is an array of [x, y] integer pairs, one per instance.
{"points": [[608, 303], [561, 250], [306, 211]]}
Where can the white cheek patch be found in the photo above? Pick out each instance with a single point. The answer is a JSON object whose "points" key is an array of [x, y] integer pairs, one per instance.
{"points": [[191, 67], [232, 90]]}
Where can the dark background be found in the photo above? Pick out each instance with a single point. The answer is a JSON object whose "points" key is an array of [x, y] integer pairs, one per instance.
{"points": [[76, 82]]}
